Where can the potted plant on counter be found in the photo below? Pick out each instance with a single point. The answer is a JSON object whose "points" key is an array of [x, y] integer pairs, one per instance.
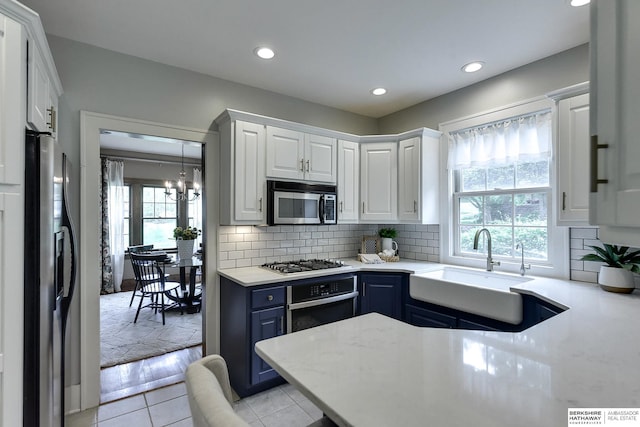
{"points": [[185, 239], [621, 263], [386, 239]]}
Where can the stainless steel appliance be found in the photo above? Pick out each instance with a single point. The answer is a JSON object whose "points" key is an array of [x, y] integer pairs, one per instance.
{"points": [[287, 267], [298, 203], [322, 301], [49, 279]]}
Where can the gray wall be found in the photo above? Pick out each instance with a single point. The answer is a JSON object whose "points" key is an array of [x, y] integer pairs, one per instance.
{"points": [[555, 72]]}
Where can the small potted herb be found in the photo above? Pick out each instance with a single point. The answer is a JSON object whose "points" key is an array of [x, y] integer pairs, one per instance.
{"points": [[621, 263]]}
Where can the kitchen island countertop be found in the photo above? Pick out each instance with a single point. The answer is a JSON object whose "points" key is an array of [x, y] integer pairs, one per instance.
{"points": [[376, 371]]}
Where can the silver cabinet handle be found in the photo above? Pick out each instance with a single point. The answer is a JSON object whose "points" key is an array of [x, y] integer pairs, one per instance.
{"points": [[52, 118], [301, 165], [594, 164], [340, 206], [322, 301], [260, 206], [269, 297], [281, 325], [364, 289], [362, 207], [564, 200], [415, 206], [307, 165]]}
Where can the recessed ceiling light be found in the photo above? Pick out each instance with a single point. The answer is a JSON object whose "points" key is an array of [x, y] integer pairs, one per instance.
{"points": [[578, 3], [472, 67], [264, 52], [379, 91]]}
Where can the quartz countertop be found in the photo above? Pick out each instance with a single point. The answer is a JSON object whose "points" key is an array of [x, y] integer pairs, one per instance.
{"points": [[372, 370], [254, 276]]}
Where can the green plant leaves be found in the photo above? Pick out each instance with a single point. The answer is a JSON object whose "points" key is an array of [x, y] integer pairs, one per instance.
{"points": [[615, 256]]}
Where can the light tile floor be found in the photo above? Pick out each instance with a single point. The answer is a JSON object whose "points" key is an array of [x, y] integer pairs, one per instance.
{"points": [[282, 406]]}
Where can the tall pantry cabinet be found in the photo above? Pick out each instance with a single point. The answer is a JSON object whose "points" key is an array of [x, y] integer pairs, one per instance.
{"points": [[29, 90]]}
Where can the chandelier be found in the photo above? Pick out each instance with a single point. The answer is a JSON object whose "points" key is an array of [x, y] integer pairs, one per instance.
{"points": [[181, 185]]}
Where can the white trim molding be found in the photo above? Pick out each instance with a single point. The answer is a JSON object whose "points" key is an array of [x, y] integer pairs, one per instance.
{"points": [[90, 126]]}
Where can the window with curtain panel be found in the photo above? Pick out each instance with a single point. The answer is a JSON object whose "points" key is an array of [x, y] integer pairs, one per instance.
{"points": [[501, 178]]}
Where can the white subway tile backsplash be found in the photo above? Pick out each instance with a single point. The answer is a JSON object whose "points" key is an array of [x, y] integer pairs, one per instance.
{"points": [[584, 233], [581, 239], [245, 245]]}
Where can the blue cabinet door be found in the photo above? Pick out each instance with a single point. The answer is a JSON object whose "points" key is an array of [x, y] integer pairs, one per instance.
{"points": [[381, 293], [419, 316], [264, 324]]}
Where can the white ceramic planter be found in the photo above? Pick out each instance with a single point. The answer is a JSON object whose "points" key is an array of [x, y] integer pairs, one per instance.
{"points": [[614, 279], [185, 248]]}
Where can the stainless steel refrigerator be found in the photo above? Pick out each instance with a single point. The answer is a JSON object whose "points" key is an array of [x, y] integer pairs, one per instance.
{"points": [[49, 279]]}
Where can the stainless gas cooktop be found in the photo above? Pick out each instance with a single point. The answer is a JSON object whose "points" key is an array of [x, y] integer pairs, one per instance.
{"points": [[302, 265]]}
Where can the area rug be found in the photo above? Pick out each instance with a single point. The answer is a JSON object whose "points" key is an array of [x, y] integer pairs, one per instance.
{"points": [[123, 341]]}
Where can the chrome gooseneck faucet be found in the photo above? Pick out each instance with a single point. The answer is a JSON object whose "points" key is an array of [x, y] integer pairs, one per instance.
{"points": [[490, 261], [522, 266]]}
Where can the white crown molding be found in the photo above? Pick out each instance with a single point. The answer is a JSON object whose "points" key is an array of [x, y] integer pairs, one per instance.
{"points": [[35, 34], [568, 92]]}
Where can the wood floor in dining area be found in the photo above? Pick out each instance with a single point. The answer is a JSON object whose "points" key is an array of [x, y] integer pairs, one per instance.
{"points": [[128, 379]]}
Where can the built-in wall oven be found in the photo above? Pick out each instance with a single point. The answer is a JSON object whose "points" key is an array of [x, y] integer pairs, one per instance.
{"points": [[325, 300]]}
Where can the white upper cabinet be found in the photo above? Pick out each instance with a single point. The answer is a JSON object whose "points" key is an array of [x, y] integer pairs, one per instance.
{"points": [[409, 179], [300, 156], [348, 181], [321, 158], [615, 123], [242, 172], [285, 153], [419, 178], [249, 162], [573, 158], [43, 97], [379, 181]]}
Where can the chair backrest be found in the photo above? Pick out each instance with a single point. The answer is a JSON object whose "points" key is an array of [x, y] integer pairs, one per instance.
{"points": [[139, 249], [209, 393], [146, 268]]}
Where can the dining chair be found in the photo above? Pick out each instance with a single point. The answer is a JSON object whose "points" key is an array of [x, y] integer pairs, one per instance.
{"points": [[138, 249], [153, 285]]}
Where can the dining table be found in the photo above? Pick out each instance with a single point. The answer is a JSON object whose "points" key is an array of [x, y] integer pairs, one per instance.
{"points": [[188, 296]]}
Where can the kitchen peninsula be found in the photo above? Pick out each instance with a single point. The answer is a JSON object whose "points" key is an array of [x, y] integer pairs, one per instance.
{"points": [[376, 371]]}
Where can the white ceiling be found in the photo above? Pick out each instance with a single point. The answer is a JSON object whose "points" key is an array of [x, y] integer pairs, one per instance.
{"points": [[332, 52]]}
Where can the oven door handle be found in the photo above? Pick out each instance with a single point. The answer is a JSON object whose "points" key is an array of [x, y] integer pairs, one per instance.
{"points": [[321, 301]]}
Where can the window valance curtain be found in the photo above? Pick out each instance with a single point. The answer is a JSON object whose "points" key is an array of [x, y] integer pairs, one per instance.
{"points": [[522, 139]]}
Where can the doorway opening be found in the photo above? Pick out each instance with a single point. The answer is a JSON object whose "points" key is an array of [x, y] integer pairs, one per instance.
{"points": [[150, 186], [87, 393]]}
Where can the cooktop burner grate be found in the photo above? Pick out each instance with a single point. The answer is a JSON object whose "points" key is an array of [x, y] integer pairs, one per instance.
{"points": [[302, 265]]}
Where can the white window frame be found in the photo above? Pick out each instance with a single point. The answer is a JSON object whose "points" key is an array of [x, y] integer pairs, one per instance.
{"points": [[558, 264]]}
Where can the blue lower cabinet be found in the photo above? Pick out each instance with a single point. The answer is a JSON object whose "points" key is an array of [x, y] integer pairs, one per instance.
{"points": [[478, 326], [264, 324], [418, 316], [381, 293]]}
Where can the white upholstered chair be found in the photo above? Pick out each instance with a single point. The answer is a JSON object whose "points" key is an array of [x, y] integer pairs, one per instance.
{"points": [[209, 394]]}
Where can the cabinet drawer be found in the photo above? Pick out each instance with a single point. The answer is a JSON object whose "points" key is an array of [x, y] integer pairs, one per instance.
{"points": [[268, 297]]}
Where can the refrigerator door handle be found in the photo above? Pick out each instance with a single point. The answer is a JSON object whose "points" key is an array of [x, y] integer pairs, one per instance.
{"points": [[67, 225]]}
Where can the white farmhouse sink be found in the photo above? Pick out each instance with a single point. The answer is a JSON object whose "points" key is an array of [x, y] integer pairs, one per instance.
{"points": [[479, 292]]}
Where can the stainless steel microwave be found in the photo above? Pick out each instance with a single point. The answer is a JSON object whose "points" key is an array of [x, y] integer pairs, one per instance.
{"points": [[300, 203]]}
